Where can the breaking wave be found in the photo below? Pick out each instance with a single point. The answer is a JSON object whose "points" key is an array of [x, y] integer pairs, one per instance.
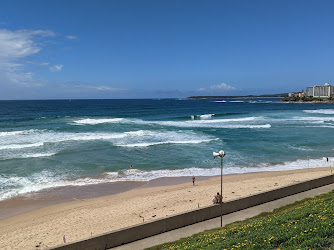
{"points": [[321, 111], [45, 179], [90, 121]]}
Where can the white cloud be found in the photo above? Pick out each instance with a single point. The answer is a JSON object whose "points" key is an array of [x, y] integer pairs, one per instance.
{"points": [[19, 44], [44, 64], [104, 88], [81, 86], [56, 68], [15, 46], [218, 87], [222, 86], [72, 37]]}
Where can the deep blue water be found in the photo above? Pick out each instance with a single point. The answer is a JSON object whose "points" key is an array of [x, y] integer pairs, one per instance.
{"points": [[78, 142]]}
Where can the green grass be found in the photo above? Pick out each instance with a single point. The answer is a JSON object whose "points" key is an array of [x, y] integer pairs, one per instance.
{"points": [[308, 224]]}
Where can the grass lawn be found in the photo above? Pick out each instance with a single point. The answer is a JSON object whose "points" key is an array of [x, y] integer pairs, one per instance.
{"points": [[307, 224]]}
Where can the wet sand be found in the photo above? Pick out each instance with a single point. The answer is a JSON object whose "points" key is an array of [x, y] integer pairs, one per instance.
{"points": [[53, 196], [101, 208]]}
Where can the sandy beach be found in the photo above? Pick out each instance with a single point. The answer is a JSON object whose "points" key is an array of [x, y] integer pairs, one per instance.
{"points": [[44, 222]]}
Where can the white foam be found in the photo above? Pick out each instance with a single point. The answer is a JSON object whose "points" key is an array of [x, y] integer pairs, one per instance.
{"points": [[27, 155], [236, 101], [26, 185], [139, 175], [90, 121], [313, 119], [248, 126], [301, 148], [233, 123], [20, 146], [36, 155], [205, 120], [23, 132], [145, 138], [51, 141], [46, 179], [206, 116], [321, 111], [220, 101], [147, 144]]}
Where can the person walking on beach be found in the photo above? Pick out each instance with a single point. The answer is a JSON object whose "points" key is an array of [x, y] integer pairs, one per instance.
{"points": [[193, 180]]}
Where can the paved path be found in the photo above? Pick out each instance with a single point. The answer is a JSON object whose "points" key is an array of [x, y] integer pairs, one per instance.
{"points": [[227, 219]]}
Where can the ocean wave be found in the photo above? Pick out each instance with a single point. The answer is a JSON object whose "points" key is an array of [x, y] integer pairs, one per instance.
{"points": [[20, 146], [223, 101], [28, 155], [313, 119], [138, 138], [320, 126], [23, 132], [145, 138], [45, 179], [233, 123], [260, 102], [204, 117], [237, 101], [320, 111], [249, 126], [18, 185], [139, 175], [205, 120], [147, 144], [301, 148], [91, 121]]}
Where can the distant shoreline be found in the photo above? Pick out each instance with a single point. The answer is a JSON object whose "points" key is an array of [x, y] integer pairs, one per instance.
{"points": [[324, 102], [306, 100], [234, 97]]}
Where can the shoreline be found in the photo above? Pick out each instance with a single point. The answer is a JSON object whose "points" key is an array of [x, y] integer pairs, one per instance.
{"points": [[83, 218], [324, 102], [53, 196], [28, 202]]}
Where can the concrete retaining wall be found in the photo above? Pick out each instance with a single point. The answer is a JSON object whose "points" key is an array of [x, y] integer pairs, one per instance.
{"points": [[129, 234]]}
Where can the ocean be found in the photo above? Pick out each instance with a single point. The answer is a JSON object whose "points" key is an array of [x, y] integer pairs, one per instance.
{"points": [[56, 143]]}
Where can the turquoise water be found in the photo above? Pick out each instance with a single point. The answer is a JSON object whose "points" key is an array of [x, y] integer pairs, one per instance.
{"points": [[47, 144]]}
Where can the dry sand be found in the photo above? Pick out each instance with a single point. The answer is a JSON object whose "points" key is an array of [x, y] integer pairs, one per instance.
{"points": [[45, 227]]}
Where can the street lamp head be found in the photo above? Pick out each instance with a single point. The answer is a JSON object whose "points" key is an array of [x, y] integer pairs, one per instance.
{"points": [[221, 154]]}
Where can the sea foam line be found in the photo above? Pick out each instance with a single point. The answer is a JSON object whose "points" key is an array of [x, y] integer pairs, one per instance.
{"points": [[20, 146], [147, 144], [26, 156], [23, 132], [320, 111], [90, 121], [45, 180], [205, 121]]}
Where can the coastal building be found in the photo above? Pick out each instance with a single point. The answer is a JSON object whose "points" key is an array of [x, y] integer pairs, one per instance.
{"points": [[297, 94], [322, 91], [301, 94]]}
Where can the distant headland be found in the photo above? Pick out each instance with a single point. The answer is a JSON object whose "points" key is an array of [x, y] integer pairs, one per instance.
{"points": [[242, 96], [315, 94]]}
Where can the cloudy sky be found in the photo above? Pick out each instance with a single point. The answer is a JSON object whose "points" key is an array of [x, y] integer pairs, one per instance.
{"points": [[163, 48]]}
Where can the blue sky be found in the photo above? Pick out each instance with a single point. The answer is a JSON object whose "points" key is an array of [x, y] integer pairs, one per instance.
{"points": [[163, 48]]}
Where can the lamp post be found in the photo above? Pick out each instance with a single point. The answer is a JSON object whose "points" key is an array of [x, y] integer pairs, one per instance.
{"points": [[221, 154]]}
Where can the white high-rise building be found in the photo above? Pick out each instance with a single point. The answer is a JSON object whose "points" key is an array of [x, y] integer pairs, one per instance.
{"points": [[323, 91]]}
